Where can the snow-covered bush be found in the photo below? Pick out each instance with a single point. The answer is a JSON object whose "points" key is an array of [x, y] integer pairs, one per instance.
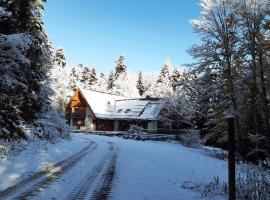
{"points": [[50, 126], [8, 147], [134, 132], [190, 138]]}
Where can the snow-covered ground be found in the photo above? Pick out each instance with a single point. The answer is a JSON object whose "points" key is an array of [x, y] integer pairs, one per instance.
{"points": [[104, 167]]}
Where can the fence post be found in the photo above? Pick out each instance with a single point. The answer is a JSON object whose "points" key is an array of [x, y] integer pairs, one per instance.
{"points": [[231, 160]]}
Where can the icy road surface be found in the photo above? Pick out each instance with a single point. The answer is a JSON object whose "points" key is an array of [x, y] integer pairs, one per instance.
{"points": [[100, 167]]}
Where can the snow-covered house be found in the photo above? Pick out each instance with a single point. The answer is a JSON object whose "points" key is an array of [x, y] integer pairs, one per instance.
{"points": [[90, 110]]}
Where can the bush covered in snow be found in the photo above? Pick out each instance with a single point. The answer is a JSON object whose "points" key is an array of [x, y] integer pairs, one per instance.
{"points": [[190, 138], [50, 126], [134, 132]]}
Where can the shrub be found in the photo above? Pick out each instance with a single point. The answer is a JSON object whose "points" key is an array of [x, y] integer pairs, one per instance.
{"points": [[134, 132], [190, 138]]}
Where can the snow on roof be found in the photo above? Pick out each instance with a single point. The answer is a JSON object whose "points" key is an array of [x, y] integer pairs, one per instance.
{"points": [[110, 106], [101, 103]]}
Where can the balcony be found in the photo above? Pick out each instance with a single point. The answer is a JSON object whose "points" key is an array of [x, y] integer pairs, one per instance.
{"points": [[78, 112]]}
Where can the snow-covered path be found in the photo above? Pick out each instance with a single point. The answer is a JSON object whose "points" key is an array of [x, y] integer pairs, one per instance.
{"points": [[100, 167]]}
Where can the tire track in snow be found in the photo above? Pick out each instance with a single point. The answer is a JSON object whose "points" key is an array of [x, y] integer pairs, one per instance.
{"points": [[44, 183], [104, 190], [81, 191], [50, 173]]}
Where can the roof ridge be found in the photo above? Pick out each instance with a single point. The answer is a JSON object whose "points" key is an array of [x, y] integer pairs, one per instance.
{"points": [[146, 99], [103, 92]]}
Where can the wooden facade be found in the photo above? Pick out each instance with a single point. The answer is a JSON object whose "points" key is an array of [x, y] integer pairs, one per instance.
{"points": [[76, 110]]}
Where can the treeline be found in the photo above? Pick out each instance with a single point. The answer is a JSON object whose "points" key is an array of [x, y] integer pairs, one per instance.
{"points": [[121, 81], [26, 59]]}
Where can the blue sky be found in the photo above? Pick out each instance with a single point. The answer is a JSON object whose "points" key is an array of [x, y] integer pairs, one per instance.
{"points": [[96, 32]]}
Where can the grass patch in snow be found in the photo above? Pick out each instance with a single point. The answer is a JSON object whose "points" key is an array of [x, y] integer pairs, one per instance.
{"points": [[252, 182]]}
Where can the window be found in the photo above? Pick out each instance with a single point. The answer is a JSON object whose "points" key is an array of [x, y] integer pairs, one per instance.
{"points": [[127, 110], [119, 110]]}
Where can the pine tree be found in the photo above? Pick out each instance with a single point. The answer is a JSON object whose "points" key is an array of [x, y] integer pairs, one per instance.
{"points": [[111, 81], [83, 74], [163, 83], [175, 78], [59, 58], [120, 68], [73, 79], [92, 81], [140, 85], [164, 74]]}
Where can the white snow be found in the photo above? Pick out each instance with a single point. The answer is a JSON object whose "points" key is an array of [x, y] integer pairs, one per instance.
{"points": [[4, 13], [156, 170], [144, 169], [34, 158], [109, 106], [101, 103]]}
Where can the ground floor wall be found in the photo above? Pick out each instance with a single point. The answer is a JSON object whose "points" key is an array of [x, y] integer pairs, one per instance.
{"points": [[152, 126], [88, 124], [91, 124]]}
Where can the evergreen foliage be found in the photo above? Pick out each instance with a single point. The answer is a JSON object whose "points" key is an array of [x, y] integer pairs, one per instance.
{"points": [[111, 80], [26, 60], [139, 84], [175, 78], [120, 68]]}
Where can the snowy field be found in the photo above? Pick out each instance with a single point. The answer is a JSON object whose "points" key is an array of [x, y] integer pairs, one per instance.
{"points": [[101, 167]]}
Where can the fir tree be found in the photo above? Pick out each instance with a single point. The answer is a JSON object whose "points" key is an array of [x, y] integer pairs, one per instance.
{"points": [[83, 74], [59, 58], [92, 80], [120, 68], [175, 78], [73, 79], [111, 81], [165, 72], [140, 85]]}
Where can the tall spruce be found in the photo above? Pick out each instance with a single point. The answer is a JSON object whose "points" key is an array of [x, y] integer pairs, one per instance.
{"points": [[175, 78], [139, 84], [164, 73], [120, 68], [73, 79], [111, 81], [92, 79]]}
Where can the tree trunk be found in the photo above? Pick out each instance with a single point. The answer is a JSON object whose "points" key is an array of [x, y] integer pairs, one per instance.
{"points": [[254, 90], [264, 95], [232, 96]]}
